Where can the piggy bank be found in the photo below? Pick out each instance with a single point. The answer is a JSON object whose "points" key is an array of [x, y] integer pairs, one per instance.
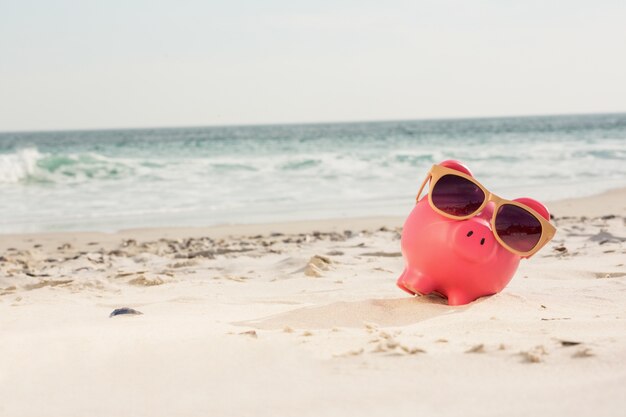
{"points": [[458, 259]]}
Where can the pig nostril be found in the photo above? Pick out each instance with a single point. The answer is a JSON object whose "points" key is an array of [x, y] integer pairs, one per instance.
{"points": [[482, 241], [470, 233]]}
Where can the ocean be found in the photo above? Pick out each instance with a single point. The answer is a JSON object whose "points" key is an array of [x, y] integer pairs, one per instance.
{"points": [[108, 180]]}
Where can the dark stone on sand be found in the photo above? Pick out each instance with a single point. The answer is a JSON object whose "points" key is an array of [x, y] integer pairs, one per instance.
{"points": [[34, 274], [568, 343], [124, 310]]}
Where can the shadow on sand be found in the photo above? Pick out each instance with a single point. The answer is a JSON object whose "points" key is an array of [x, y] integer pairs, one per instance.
{"points": [[383, 312]]}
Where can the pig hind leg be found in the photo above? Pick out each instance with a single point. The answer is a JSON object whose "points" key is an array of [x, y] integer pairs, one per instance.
{"points": [[415, 282], [400, 283]]}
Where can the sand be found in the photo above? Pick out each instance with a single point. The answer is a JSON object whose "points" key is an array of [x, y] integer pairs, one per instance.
{"points": [[304, 319]]}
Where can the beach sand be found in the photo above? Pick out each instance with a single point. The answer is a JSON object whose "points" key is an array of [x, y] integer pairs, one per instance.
{"points": [[305, 319]]}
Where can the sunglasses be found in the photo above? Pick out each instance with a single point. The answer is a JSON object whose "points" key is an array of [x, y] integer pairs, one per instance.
{"points": [[517, 227]]}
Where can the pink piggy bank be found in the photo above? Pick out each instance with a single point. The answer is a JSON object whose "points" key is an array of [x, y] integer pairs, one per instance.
{"points": [[459, 259]]}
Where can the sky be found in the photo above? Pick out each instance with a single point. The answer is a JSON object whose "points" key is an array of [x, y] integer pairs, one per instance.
{"points": [[134, 63]]}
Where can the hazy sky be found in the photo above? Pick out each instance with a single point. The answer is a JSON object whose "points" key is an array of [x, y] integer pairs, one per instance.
{"points": [[101, 64]]}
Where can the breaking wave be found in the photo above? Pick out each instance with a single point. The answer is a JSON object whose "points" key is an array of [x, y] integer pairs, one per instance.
{"points": [[18, 166], [31, 166]]}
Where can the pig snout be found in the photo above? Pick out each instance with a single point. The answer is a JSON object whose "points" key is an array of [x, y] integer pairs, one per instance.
{"points": [[474, 240]]}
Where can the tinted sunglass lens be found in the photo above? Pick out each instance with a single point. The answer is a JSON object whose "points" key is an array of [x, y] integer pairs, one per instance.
{"points": [[518, 228], [457, 196]]}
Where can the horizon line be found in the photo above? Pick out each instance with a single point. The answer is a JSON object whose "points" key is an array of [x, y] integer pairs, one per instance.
{"points": [[313, 123]]}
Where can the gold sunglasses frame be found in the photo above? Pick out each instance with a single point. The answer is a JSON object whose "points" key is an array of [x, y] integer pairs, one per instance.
{"points": [[436, 172]]}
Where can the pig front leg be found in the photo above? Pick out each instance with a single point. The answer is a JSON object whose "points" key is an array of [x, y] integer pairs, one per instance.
{"points": [[458, 298]]}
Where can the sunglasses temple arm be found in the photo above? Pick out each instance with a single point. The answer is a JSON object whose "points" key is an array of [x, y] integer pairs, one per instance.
{"points": [[419, 193]]}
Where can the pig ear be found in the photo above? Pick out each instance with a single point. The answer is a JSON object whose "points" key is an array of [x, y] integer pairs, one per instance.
{"points": [[535, 205], [459, 166]]}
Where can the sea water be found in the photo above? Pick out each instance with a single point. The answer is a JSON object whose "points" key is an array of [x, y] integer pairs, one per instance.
{"points": [[114, 179]]}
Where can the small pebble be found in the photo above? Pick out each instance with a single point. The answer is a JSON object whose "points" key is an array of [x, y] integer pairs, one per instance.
{"points": [[124, 310]]}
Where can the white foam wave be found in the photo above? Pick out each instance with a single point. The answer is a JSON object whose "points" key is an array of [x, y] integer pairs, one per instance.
{"points": [[18, 166]]}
